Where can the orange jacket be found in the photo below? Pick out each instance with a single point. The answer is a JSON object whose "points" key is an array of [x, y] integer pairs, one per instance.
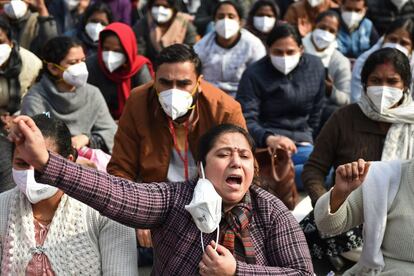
{"points": [[143, 142]]}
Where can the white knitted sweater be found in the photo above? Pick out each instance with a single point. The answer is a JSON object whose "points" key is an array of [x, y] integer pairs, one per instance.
{"points": [[79, 242]]}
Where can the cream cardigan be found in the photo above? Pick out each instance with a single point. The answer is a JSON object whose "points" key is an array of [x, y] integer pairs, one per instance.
{"points": [[79, 241]]}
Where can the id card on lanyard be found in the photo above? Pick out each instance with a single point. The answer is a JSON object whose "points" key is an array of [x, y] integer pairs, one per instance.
{"points": [[184, 158]]}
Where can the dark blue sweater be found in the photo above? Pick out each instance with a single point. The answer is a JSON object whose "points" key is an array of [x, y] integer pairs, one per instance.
{"points": [[288, 105]]}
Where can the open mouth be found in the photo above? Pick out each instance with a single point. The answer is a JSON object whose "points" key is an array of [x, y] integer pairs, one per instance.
{"points": [[234, 179]]}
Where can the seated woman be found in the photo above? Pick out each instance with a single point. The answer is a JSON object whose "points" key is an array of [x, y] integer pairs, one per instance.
{"points": [[379, 127], [63, 92], [45, 232], [117, 68], [380, 196], [322, 43], [257, 234], [31, 28], [282, 95], [399, 35], [95, 19], [163, 26], [19, 69], [227, 52], [262, 18]]}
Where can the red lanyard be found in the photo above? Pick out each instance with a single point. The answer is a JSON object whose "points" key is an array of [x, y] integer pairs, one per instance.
{"points": [[185, 157]]}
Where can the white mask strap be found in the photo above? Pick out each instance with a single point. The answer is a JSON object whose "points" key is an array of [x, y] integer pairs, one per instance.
{"points": [[202, 171], [217, 238]]}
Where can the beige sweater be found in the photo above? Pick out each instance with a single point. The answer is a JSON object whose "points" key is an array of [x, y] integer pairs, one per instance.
{"points": [[398, 243], [79, 240], [31, 66]]}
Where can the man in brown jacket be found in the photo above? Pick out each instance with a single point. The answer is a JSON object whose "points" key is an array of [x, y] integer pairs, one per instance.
{"points": [[163, 121]]}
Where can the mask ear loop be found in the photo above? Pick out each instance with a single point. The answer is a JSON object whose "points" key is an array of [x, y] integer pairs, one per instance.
{"points": [[217, 238], [203, 176]]}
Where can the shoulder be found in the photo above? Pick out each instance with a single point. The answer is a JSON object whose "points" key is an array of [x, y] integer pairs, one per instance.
{"points": [[140, 93], [205, 41], [347, 112], [269, 207], [216, 97], [339, 59], [26, 55], [311, 61], [251, 38]]}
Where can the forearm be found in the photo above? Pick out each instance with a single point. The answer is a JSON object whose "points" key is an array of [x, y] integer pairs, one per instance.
{"points": [[249, 269], [347, 215], [131, 204]]}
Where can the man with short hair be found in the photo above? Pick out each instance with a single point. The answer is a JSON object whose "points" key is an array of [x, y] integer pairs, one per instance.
{"points": [[163, 120]]}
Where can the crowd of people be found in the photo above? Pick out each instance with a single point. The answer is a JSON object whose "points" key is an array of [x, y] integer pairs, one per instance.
{"points": [[129, 128]]}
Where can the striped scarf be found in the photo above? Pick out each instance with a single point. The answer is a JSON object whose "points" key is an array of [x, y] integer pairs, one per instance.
{"points": [[235, 233]]}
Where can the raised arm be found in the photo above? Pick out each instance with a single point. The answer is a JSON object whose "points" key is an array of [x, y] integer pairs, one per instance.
{"points": [[139, 206]]}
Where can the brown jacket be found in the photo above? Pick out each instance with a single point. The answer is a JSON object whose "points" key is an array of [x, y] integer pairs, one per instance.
{"points": [[143, 142], [301, 14], [346, 136]]}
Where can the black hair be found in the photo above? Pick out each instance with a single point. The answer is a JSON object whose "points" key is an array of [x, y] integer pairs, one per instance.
{"points": [[173, 4], [178, 53], [406, 24], [284, 30], [55, 50], [237, 7], [387, 55], [328, 13], [5, 26], [208, 140], [365, 2], [56, 130], [97, 7], [262, 3]]}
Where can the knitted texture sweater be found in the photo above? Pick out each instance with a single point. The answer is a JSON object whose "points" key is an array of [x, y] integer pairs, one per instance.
{"points": [[80, 241]]}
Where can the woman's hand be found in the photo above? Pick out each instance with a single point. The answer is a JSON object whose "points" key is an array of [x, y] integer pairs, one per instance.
{"points": [[283, 142], [29, 142], [80, 141], [348, 178], [220, 262]]}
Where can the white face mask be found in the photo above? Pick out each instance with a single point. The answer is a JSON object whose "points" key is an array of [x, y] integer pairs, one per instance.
{"points": [[205, 207], [322, 38], [113, 60], [15, 9], [315, 3], [264, 24], [227, 28], [384, 97], [399, 3], [93, 30], [285, 64], [396, 46], [76, 74], [35, 192], [175, 102], [352, 19], [5, 51], [161, 14], [71, 4]]}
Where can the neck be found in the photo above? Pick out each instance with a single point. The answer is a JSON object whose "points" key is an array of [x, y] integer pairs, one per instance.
{"points": [[62, 86], [45, 209], [228, 43]]}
